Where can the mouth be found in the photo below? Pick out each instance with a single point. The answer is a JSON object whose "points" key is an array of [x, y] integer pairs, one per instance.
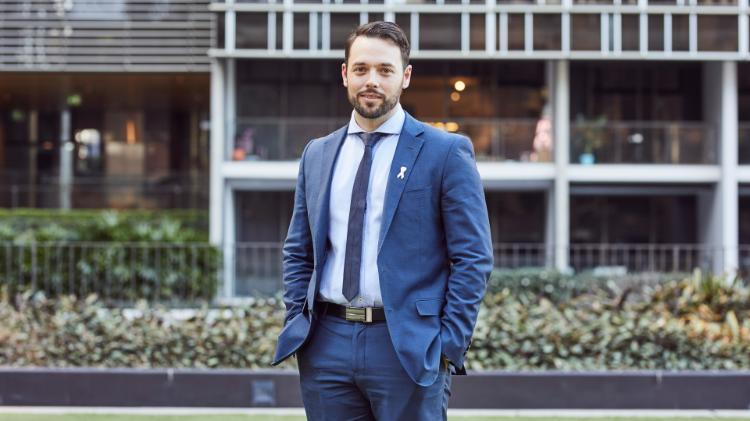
{"points": [[370, 96]]}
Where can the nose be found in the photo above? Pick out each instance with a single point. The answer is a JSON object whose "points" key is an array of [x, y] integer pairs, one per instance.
{"points": [[372, 79]]}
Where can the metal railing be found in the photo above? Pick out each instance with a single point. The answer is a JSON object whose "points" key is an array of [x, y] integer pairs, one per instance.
{"points": [[643, 142], [522, 255], [494, 139], [634, 258], [109, 196], [257, 268], [169, 191], [184, 274], [118, 272]]}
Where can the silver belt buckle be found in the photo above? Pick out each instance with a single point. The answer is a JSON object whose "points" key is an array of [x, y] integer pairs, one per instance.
{"points": [[358, 314]]}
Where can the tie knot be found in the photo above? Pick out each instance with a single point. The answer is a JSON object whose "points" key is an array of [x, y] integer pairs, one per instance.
{"points": [[370, 138]]}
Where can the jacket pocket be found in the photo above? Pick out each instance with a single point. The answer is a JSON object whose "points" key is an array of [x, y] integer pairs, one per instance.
{"points": [[429, 306]]}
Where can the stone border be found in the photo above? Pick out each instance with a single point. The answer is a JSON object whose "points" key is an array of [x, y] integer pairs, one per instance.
{"points": [[707, 390]]}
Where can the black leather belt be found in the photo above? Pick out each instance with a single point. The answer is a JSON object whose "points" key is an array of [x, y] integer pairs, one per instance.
{"points": [[352, 314]]}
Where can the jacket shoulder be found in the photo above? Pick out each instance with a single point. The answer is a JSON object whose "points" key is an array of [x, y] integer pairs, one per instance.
{"points": [[315, 144]]}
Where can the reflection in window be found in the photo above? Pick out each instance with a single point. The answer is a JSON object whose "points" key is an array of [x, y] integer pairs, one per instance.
{"points": [[630, 32], [516, 217], [439, 31], [477, 31], [260, 232], [301, 31], [656, 32], [516, 35], [342, 24], [88, 151], [404, 21], [501, 107], [252, 30], [717, 33], [547, 32], [633, 219], [743, 93], [639, 113], [585, 33], [680, 33]]}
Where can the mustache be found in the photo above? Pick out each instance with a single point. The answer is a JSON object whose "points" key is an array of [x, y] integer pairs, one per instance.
{"points": [[371, 92]]}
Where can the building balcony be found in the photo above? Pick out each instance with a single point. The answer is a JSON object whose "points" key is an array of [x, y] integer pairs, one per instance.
{"points": [[643, 142], [166, 191], [495, 140]]}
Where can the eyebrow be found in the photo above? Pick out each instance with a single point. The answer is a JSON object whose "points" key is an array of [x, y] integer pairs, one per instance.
{"points": [[381, 64]]}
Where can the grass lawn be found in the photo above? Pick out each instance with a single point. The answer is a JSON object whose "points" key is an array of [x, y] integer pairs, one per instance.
{"points": [[87, 417]]}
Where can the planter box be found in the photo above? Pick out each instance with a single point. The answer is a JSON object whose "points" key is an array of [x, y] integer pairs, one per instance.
{"points": [[280, 388]]}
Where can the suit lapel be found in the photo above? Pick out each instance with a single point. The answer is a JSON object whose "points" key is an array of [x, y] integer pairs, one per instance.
{"points": [[407, 149], [330, 152]]}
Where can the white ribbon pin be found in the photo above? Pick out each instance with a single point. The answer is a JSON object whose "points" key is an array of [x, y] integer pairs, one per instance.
{"points": [[401, 174]]}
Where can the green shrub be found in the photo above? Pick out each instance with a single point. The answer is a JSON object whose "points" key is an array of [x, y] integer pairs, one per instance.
{"points": [[695, 323], [122, 256], [27, 225], [70, 332]]}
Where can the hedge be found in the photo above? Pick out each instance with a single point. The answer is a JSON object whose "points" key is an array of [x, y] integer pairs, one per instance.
{"points": [[121, 256], [699, 323]]}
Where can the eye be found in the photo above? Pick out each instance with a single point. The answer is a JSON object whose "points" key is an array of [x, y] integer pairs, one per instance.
{"points": [[387, 70]]}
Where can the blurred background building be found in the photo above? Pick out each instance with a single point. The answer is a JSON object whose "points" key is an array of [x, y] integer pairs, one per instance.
{"points": [[104, 103], [611, 135]]}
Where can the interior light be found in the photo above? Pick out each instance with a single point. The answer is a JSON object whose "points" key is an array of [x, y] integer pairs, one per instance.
{"points": [[130, 132], [459, 85], [74, 100]]}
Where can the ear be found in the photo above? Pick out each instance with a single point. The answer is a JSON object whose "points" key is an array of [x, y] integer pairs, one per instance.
{"points": [[343, 74], [407, 77]]}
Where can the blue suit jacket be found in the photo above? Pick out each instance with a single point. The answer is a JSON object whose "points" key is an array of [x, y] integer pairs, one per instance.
{"points": [[434, 250]]}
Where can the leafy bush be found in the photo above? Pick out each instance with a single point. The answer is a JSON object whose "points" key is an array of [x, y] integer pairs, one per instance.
{"points": [[697, 323], [121, 256], [38, 225], [70, 332]]}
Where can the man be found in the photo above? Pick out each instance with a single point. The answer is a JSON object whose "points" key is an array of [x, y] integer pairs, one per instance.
{"points": [[388, 251]]}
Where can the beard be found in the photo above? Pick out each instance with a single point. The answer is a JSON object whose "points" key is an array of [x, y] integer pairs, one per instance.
{"points": [[385, 106]]}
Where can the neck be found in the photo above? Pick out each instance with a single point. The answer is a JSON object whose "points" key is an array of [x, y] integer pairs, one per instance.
{"points": [[370, 124]]}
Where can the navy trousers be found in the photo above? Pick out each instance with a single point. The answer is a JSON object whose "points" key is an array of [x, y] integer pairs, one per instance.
{"points": [[350, 371]]}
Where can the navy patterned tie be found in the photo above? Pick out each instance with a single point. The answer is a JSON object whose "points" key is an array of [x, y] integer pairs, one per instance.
{"points": [[353, 257]]}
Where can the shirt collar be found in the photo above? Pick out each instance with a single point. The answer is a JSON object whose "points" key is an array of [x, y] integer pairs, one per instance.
{"points": [[391, 126]]}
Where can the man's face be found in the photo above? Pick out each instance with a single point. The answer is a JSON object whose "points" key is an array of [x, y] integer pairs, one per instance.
{"points": [[374, 76]]}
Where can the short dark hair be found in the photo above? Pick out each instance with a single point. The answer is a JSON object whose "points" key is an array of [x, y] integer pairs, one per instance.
{"points": [[388, 31]]}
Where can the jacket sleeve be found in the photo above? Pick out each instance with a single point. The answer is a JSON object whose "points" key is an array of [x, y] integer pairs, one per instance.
{"points": [[469, 247], [298, 261]]}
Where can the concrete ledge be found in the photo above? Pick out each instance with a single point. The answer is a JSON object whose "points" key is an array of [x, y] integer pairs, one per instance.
{"points": [[706, 390]]}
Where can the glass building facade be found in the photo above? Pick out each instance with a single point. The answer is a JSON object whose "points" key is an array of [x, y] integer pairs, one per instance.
{"points": [[610, 135], [105, 104]]}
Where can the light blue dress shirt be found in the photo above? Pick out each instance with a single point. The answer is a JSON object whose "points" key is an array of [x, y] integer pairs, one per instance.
{"points": [[344, 172]]}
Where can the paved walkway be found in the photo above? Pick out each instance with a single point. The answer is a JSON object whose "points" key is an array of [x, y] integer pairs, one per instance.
{"points": [[562, 413]]}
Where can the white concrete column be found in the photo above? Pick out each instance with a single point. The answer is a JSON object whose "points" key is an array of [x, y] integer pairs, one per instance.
{"points": [[560, 202], [216, 189], [721, 213], [728, 159], [490, 30], [230, 106], [67, 149]]}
